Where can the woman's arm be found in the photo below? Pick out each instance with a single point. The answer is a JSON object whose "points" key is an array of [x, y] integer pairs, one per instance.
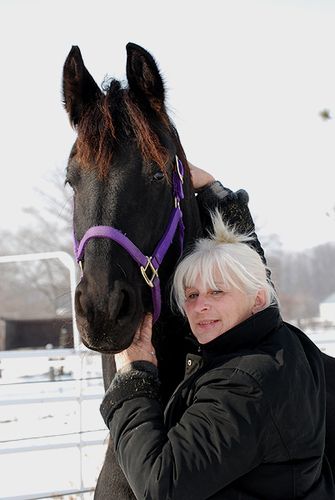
{"points": [[211, 445], [220, 437], [211, 194]]}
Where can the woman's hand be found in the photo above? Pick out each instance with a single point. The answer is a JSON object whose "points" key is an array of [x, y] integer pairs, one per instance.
{"points": [[200, 178], [141, 348]]}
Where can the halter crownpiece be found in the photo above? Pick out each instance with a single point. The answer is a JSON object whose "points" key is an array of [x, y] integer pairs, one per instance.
{"points": [[147, 264]]}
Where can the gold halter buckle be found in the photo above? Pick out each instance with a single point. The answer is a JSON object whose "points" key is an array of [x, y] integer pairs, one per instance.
{"points": [[149, 281]]}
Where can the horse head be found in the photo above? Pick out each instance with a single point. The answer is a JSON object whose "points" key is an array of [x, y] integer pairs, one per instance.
{"points": [[122, 169]]}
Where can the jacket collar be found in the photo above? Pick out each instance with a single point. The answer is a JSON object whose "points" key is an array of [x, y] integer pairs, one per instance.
{"points": [[245, 335]]}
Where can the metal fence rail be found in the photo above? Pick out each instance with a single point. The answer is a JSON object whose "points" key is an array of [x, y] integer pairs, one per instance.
{"points": [[78, 439], [48, 494], [11, 395]]}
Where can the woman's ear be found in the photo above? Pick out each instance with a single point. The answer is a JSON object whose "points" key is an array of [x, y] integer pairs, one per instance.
{"points": [[260, 302]]}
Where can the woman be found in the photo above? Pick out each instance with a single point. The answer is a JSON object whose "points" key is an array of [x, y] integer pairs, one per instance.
{"points": [[248, 421]]}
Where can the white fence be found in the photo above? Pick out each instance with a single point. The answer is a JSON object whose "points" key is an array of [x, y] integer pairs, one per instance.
{"points": [[52, 438]]}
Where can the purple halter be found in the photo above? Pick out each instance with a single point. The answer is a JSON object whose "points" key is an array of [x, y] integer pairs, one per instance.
{"points": [[146, 263]]}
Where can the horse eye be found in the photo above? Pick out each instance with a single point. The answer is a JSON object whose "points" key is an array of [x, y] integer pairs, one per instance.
{"points": [[70, 183], [158, 176]]}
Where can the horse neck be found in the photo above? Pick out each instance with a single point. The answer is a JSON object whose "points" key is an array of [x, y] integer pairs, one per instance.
{"points": [[171, 329], [191, 216]]}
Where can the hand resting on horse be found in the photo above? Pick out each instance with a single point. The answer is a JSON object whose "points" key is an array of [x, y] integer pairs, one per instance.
{"points": [[200, 178], [141, 348]]}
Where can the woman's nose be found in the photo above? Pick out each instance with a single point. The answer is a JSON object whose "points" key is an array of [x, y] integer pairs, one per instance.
{"points": [[202, 303]]}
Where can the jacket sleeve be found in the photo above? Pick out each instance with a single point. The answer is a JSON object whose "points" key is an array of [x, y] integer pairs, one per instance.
{"points": [[219, 438], [234, 209]]}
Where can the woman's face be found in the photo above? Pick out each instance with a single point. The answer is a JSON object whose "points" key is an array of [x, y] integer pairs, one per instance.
{"points": [[211, 312]]}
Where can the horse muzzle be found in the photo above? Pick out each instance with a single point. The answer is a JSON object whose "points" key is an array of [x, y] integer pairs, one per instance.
{"points": [[107, 319]]}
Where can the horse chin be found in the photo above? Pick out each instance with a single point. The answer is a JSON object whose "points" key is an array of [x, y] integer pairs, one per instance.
{"points": [[103, 349], [107, 339]]}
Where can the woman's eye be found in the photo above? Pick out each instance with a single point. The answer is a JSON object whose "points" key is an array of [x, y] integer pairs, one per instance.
{"points": [[216, 292], [191, 296], [158, 176]]}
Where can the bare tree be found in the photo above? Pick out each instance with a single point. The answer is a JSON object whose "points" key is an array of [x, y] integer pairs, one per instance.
{"points": [[42, 288]]}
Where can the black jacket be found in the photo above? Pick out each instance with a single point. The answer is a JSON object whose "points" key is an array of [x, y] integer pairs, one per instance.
{"points": [[247, 423]]}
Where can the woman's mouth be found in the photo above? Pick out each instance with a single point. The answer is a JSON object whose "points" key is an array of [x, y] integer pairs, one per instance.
{"points": [[208, 322]]}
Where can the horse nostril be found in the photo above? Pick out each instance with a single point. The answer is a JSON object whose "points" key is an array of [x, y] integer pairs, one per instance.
{"points": [[124, 309], [122, 303], [79, 303]]}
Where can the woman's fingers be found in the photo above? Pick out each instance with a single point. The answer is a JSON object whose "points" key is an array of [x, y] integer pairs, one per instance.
{"points": [[146, 328], [141, 348], [200, 177], [144, 331]]}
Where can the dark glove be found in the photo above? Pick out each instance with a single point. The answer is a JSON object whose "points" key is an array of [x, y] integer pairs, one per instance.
{"points": [[234, 209]]}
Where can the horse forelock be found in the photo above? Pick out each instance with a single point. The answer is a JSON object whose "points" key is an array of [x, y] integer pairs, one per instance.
{"points": [[115, 119]]}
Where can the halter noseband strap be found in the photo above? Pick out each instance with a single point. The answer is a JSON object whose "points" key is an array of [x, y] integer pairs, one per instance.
{"points": [[147, 264]]}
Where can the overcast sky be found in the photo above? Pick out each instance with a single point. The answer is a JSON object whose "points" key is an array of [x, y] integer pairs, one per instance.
{"points": [[246, 80]]}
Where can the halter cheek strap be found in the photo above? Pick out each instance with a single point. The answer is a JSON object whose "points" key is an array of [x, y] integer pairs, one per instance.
{"points": [[147, 264]]}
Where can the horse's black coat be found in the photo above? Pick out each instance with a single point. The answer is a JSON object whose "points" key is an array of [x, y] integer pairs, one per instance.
{"points": [[124, 138]]}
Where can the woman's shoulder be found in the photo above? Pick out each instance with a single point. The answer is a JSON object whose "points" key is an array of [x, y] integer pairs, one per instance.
{"points": [[285, 353], [245, 368], [269, 359]]}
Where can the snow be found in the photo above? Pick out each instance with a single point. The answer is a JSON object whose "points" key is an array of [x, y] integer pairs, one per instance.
{"points": [[52, 436]]}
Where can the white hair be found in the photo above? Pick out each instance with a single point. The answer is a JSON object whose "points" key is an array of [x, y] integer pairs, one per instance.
{"points": [[225, 252]]}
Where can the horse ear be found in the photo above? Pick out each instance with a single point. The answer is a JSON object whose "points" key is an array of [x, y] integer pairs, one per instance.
{"points": [[79, 87], [143, 76]]}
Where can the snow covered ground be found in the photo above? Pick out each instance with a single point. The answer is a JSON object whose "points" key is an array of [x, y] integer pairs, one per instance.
{"points": [[52, 437], [325, 340]]}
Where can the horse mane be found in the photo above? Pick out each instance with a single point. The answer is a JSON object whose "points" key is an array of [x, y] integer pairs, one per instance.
{"points": [[117, 117]]}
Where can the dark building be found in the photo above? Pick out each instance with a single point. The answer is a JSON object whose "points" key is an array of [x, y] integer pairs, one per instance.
{"points": [[35, 334]]}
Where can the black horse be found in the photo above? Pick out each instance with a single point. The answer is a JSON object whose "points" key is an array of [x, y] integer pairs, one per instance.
{"points": [[122, 168]]}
